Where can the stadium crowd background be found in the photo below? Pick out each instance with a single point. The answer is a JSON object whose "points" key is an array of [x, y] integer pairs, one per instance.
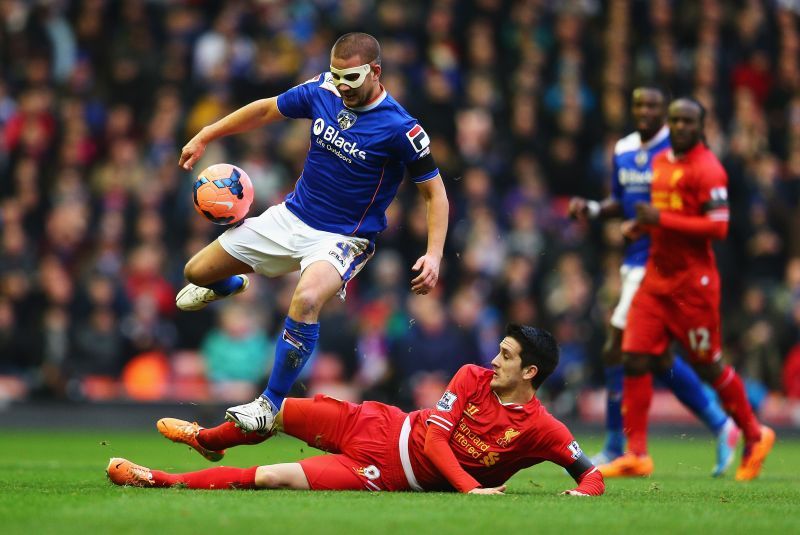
{"points": [[523, 100]]}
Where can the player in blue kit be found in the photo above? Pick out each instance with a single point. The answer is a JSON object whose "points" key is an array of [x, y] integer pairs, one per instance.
{"points": [[631, 178], [362, 142]]}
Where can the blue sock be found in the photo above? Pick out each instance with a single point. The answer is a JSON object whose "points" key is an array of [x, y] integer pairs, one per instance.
{"points": [[226, 286], [615, 438], [688, 388], [292, 351]]}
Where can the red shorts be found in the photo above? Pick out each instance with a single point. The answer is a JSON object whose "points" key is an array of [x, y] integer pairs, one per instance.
{"points": [[362, 438], [692, 318]]}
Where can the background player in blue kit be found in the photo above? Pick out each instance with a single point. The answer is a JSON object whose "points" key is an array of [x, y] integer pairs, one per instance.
{"points": [[631, 178], [362, 142]]}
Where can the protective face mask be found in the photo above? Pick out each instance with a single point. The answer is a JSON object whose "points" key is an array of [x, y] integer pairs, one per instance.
{"points": [[353, 77]]}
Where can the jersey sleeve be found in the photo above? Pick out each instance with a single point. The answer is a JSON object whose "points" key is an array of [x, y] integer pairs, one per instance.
{"points": [[561, 448], [413, 147], [712, 198], [441, 423], [712, 192], [296, 102]]}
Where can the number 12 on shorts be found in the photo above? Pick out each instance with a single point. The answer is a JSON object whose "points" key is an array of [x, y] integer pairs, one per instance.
{"points": [[700, 340]]}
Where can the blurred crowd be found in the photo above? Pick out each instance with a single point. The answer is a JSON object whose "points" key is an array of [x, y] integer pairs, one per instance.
{"points": [[523, 100]]}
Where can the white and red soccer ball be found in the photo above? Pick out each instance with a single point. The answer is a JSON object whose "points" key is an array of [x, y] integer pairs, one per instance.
{"points": [[223, 194]]}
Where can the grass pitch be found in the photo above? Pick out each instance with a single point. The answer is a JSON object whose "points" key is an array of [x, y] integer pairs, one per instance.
{"points": [[55, 483]]}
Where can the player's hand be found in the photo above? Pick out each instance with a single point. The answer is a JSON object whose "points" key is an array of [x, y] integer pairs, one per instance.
{"points": [[191, 152], [573, 492], [428, 267], [647, 214], [578, 208], [632, 230], [491, 490]]}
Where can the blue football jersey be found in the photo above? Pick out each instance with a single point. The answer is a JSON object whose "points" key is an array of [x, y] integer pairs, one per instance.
{"points": [[356, 158], [630, 182]]}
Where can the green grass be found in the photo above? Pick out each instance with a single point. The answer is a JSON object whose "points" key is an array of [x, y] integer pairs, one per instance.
{"points": [[55, 483]]}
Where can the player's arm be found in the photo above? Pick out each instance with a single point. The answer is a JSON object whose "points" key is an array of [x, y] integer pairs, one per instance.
{"points": [[582, 209], [441, 423], [561, 448], [253, 115], [711, 224], [435, 196]]}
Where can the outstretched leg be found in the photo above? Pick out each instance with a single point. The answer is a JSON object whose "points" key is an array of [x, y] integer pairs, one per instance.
{"points": [[319, 282], [276, 476]]}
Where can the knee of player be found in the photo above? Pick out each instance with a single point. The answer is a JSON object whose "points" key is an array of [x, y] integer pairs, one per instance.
{"points": [[193, 273], [307, 301], [266, 478]]}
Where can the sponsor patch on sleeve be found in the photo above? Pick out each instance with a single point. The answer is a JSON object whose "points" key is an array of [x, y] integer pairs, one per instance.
{"points": [[419, 138], [574, 450], [446, 402]]}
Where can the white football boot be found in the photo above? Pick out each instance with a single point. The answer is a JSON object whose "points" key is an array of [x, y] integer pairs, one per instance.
{"points": [[256, 416], [193, 297]]}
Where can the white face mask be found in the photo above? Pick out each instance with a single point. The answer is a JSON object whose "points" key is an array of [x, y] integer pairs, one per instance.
{"points": [[353, 77]]}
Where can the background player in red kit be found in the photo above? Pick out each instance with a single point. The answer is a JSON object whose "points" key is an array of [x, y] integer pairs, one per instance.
{"points": [[487, 426], [679, 297]]}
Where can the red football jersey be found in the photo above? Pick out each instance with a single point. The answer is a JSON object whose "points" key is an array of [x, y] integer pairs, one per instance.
{"points": [[693, 186], [491, 441]]}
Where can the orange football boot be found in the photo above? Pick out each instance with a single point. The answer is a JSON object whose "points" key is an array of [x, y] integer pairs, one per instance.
{"points": [[628, 465], [186, 433], [753, 459], [123, 472]]}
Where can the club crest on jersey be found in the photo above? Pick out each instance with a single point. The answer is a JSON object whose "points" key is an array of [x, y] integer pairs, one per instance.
{"points": [[509, 435], [346, 119], [418, 138], [641, 158], [447, 401]]}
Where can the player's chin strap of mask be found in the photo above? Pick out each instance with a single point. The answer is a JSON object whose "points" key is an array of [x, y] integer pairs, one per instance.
{"points": [[353, 77]]}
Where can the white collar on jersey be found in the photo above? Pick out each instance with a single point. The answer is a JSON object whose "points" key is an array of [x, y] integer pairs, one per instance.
{"points": [[660, 136], [374, 104], [510, 404]]}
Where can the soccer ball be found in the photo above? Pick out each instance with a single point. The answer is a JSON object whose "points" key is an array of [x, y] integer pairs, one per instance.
{"points": [[223, 193]]}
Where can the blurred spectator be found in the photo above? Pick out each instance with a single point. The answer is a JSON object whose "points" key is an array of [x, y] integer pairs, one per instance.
{"points": [[237, 353], [523, 101]]}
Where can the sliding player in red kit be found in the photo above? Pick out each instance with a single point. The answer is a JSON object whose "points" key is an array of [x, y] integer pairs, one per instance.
{"points": [[680, 295], [487, 426]]}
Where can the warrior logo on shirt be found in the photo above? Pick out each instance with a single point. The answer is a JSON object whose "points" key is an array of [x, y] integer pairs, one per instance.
{"points": [[446, 403], [346, 119], [471, 410], [507, 437]]}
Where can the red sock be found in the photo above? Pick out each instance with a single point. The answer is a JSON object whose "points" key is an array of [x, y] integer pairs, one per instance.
{"points": [[227, 435], [218, 478], [637, 393], [731, 391]]}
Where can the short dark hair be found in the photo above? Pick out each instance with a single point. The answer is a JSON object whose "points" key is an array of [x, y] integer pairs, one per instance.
{"points": [[358, 44], [539, 348], [665, 93]]}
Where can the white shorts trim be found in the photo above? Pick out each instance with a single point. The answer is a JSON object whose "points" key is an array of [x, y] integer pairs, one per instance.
{"points": [[278, 242], [631, 277], [405, 458]]}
